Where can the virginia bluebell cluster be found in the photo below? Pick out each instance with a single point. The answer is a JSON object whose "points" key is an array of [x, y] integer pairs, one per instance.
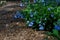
{"points": [[44, 15], [18, 15]]}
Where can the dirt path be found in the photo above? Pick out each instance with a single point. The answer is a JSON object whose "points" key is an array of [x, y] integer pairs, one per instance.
{"points": [[24, 34], [9, 9], [9, 6], [6, 14]]}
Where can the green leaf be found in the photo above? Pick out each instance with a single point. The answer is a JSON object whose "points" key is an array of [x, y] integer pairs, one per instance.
{"points": [[37, 21], [55, 32]]}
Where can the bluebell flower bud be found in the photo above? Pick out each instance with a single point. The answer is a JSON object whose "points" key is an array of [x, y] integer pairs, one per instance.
{"points": [[21, 4], [41, 27], [34, 1], [18, 15], [52, 15], [57, 27], [39, 24], [44, 24], [49, 9], [31, 14], [31, 24]]}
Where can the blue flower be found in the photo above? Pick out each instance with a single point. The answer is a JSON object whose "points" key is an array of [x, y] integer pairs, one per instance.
{"points": [[21, 4], [34, 1], [49, 9], [18, 15], [44, 24], [31, 14], [41, 27], [31, 24], [52, 15], [39, 24], [57, 27]]}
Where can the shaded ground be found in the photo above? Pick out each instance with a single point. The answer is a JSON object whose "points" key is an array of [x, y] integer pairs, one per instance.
{"points": [[24, 34], [12, 30]]}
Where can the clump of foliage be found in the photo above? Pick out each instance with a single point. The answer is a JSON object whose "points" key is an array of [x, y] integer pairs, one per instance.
{"points": [[43, 16], [39, 14]]}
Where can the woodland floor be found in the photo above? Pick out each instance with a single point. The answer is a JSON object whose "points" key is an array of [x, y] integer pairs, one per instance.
{"points": [[12, 30]]}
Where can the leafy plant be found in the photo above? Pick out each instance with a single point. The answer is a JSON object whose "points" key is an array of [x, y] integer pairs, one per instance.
{"points": [[41, 13], [42, 16]]}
